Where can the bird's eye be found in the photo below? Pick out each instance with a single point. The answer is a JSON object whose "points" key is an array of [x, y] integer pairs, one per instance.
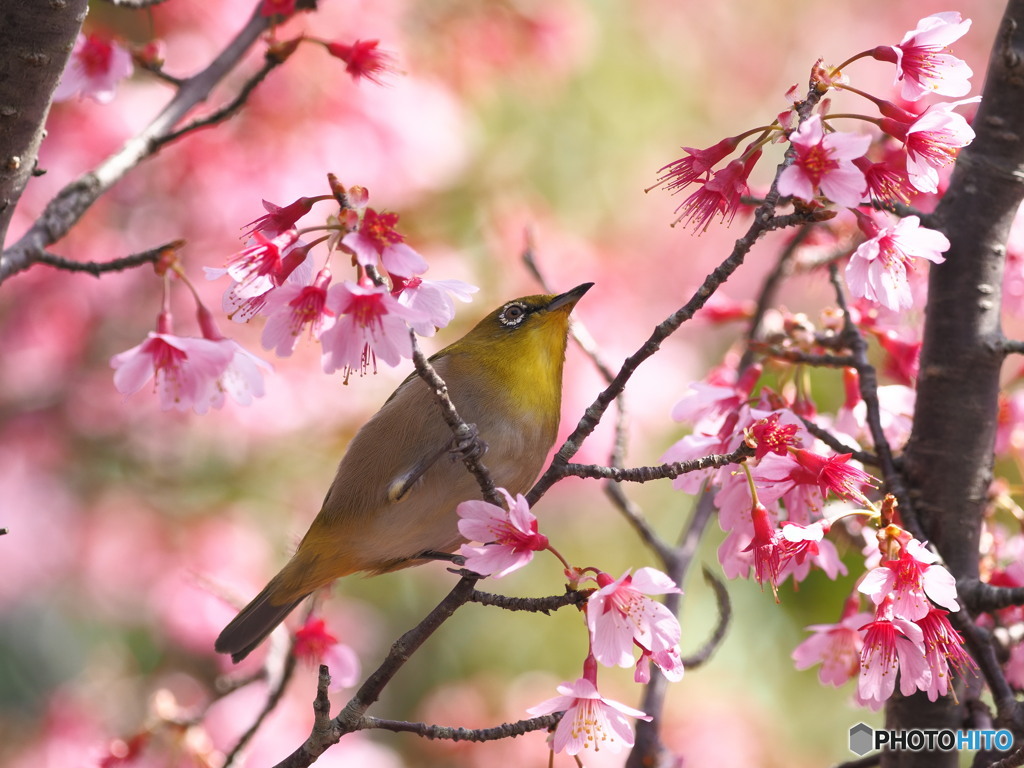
{"points": [[512, 314]]}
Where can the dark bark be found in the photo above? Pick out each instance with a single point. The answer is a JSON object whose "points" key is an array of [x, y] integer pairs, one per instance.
{"points": [[36, 38], [948, 461]]}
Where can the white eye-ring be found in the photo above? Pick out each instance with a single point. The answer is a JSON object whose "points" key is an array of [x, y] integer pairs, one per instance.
{"points": [[512, 314]]}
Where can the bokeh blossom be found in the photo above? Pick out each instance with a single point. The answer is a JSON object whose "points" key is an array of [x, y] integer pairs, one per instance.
{"points": [[96, 66]]}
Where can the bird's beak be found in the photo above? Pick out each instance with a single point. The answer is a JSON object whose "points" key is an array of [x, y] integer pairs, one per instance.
{"points": [[569, 298]]}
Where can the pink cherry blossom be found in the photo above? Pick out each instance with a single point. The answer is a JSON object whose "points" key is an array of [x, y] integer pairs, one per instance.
{"points": [[765, 548], [262, 265], [720, 194], [798, 542], [887, 180], [434, 299], [877, 270], [837, 647], [943, 646], [824, 164], [769, 435], [590, 720], [669, 661], [696, 165], [370, 324], [931, 140], [185, 369], [291, 308], [830, 473], [510, 535], [891, 646], [96, 66], [296, 269], [920, 63], [278, 220], [315, 645], [242, 379], [910, 581], [621, 614], [377, 240], [711, 401], [363, 59]]}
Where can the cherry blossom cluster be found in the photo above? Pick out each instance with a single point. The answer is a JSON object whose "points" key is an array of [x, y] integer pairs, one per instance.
{"points": [[908, 633], [780, 506], [773, 509], [621, 617], [826, 166], [357, 322], [774, 512]]}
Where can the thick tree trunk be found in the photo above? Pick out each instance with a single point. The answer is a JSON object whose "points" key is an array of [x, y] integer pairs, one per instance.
{"points": [[948, 461], [36, 39]]}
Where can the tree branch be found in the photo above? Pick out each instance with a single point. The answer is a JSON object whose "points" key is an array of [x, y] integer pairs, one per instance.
{"points": [[545, 605], [721, 627], [97, 268], [36, 39], [660, 472], [807, 358], [503, 731], [328, 732], [273, 699], [74, 200], [980, 597], [838, 445]]}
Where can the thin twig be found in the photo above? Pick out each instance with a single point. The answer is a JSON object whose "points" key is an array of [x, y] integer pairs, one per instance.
{"points": [[721, 628], [979, 641], [503, 731], [837, 445], [769, 290], [97, 268], [273, 699], [270, 63], [351, 718], [1013, 760], [462, 431], [660, 472], [868, 380], [545, 605], [1012, 347], [662, 331], [635, 517], [807, 358]]}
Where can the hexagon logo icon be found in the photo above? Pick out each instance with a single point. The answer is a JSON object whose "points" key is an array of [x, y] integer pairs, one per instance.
{"points": [[861, 739]]}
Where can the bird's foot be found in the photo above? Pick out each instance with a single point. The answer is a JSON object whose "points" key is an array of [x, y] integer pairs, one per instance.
{"points": [[466, 444], [448, 557]]}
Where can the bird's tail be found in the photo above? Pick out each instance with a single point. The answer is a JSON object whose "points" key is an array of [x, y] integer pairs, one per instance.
{"points": [[257, 620]]}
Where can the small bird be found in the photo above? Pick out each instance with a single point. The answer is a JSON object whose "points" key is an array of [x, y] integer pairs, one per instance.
{"points": [[393, 499]]}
